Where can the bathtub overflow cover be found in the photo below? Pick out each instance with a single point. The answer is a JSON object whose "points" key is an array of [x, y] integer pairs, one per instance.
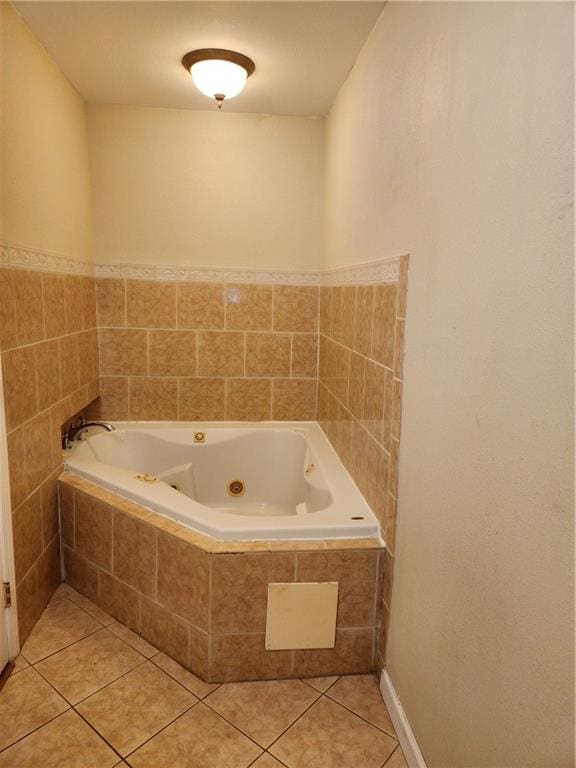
{"points": [[236, 488], [199, 437]]}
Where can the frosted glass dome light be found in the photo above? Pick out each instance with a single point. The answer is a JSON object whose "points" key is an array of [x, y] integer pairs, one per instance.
{"points": [[214, 77], [218, 73]]}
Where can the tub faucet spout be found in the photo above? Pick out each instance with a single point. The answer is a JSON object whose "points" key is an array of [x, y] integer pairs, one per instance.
{"points": [[75, 431]]}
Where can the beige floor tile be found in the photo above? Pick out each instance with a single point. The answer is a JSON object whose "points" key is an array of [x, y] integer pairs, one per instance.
{"points": [[137, 642], [361, 694], [66, 742], [61, 624], [266, 761], [262, 710], [328, 736], [135, 707], [397, 759], [91, 608], [198, 739], [20, 663], [85, 667], [64, 592], [26, 703], [321, 683], [198, 687]]}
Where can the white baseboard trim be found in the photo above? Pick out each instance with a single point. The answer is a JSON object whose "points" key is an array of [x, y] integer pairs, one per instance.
{"points": [[400, 722]]}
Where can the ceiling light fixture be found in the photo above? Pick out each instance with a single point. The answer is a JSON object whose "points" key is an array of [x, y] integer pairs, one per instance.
{"points": [[218, 73]]}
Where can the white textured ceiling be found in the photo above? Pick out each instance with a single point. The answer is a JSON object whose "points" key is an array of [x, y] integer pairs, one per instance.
{"points": [[129, 52]]}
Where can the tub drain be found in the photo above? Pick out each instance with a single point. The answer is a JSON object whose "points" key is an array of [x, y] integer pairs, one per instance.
{"points": [[236, 488]]}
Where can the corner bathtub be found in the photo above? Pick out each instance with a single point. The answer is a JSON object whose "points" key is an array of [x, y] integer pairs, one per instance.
{"points": [[289, 482]]}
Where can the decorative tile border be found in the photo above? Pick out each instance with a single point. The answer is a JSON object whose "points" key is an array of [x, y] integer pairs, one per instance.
{"points": [[207, 274], [26, 258], [380, 271]]}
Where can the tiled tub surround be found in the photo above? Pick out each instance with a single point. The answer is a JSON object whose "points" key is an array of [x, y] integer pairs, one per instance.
{"points": [[203, 601], [360, 397], [207, 351], [188, 349], [49, 355]]}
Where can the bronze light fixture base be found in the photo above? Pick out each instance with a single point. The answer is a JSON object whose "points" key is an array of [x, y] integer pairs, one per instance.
{"points": [[203, 54]]}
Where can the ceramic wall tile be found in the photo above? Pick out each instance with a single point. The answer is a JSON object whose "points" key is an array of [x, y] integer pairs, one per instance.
{"points": [[111, 302], [201, 306], [150, 304], [296, 308], [248, 399], [249, 307]]}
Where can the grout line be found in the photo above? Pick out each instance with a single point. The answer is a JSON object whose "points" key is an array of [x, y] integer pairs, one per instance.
{"points": [[162, 729], [358, 422], [33, 730], [69, 645], [156, 535], [177, 299], [172, 376], [305, 681], [376, 631], [389, 758], [373, 313], [147, 332], [100, 736], [210, 589], [200, 698], [300, 716], [92, 693], [252, 764], [197, 700], [249, 331], [255, 634], [361, 717], [43, 307], [113, 515], [272, 390], [333, 683], [360, 354], [236, 727], [86, 610]]}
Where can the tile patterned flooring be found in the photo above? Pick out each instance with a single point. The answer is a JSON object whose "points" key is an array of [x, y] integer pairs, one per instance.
{"points": [[86, 692]]}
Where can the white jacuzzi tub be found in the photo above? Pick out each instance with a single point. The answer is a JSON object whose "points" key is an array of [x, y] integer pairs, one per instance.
{"points": [[290, 482]]}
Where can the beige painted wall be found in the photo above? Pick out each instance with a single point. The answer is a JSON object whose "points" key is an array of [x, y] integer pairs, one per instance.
{"points": [[44, 171], [205, 188], [451, 140]]}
